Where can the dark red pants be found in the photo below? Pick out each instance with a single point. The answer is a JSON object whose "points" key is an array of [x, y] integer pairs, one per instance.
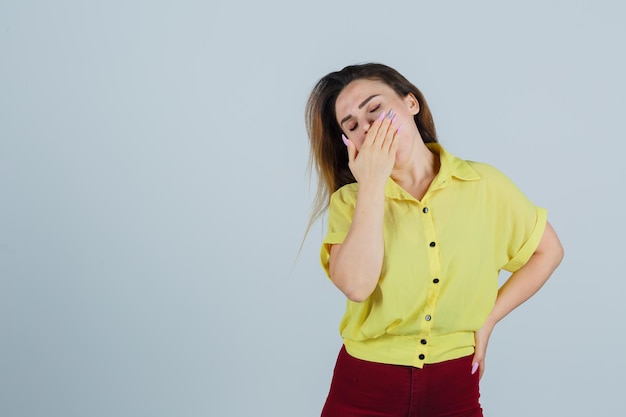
{"points": [[360, 388]]}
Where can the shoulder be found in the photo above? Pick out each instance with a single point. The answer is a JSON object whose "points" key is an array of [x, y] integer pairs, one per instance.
{"points": [[484, 169], [489, 173], [345, 194], [470, 171], [498, 185], [342, 203]]}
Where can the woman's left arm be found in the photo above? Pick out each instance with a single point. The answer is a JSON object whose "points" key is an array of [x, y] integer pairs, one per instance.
{"points": [[520, 286]]}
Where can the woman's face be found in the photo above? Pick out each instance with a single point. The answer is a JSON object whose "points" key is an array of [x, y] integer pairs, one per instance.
{"points": [[360, 103]]}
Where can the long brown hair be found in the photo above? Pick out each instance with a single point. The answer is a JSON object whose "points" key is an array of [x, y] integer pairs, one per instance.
{"points": [[329, 155]]}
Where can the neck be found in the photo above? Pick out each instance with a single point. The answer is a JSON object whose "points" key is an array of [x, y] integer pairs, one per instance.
{"points": [[421, 165], [416, 174]]}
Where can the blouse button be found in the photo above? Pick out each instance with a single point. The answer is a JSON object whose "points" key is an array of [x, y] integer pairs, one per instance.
{"points": [[422, 357], [425, 210], [432, 244], [428, 317], [436, 280], [423, 341]]}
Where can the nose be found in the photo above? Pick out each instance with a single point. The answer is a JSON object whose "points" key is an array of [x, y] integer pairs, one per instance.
{"points": [[368, 121], [360, 137]]}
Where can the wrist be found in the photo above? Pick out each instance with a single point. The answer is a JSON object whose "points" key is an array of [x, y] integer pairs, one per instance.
{"points": [[374, 187]]}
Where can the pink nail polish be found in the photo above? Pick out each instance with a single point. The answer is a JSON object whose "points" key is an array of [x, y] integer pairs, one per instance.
{"points": [[382, 116], [474, 368], [399, 129], [393, 120], [344, 139]]}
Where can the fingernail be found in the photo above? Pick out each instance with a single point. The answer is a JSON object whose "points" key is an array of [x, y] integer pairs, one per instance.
{"points": [[399, 129], [390, 113], [382, 116], [474, 368], [344, 139], [393, 120]]}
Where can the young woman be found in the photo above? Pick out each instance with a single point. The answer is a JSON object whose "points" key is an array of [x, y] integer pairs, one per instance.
{"points": [[416, 239]]}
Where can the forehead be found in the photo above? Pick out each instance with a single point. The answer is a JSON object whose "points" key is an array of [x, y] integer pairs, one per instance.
{"points": [[358, 90]]}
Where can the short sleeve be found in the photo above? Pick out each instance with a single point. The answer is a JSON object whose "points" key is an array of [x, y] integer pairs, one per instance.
{"points": [[340, 212], [519, 224], [523, 254]]}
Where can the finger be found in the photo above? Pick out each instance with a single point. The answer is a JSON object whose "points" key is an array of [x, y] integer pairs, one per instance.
{"points": [[396, 140], [477, 360], [475, 367], [478, 366], [351, 149], [391, 136], [377, 128], [385, 128]]}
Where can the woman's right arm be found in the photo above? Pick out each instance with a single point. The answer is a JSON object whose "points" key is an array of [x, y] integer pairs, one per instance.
{"points": [[355, 265]]}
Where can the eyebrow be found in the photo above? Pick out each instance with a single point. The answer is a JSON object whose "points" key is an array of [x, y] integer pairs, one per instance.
{"points": [[363, 103]]}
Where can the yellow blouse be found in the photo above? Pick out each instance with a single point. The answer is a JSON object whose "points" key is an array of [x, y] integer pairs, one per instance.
{"points": [[442, 258]]}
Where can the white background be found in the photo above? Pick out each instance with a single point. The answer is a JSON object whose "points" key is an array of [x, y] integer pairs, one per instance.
{"points": [[153, 196]]}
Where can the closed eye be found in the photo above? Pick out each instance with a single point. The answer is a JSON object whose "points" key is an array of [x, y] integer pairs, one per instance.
{"points": [[375, 108]]}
